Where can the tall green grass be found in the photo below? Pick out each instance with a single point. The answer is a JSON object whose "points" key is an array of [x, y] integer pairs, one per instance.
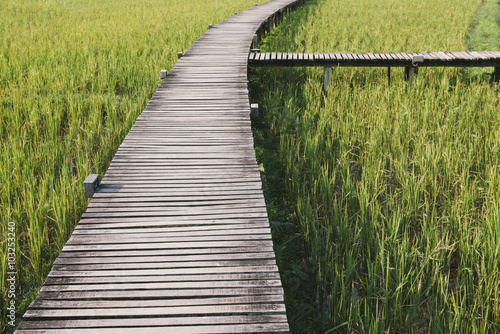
{"points": [[74, 75], [397, 191]]}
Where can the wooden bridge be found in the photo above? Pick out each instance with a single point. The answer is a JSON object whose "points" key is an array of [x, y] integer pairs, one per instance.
{"points": [[176, 239], [410, 61], [428, 59]]}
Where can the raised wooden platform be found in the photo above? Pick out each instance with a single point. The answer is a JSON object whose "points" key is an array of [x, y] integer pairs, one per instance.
{"points": [[435, 59], [176, 238]]}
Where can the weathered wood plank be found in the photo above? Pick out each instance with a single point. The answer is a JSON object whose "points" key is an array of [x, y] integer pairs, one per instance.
{"points": [[210, 329], [157, 318], [212, 301]]}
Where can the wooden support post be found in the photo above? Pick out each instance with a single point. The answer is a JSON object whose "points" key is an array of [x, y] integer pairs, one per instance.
{"points": [[389, 75], [179, 55], [163, 74], [409, 73], [209, 26], [254, 110], [327, 77], [90, 184], [415, 61], [255, 41], [496, 73]]}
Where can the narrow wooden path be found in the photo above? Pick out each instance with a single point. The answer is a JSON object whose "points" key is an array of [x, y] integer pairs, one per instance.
{"points": [[176, 239], [411, 61], [434, 59]]}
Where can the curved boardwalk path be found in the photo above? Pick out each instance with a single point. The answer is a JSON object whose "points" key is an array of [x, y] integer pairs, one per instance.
{"points": [[176, 239]]}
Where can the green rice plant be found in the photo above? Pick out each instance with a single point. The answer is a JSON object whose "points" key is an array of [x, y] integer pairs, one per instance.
{"points": [[74, 75], [395, 190]]}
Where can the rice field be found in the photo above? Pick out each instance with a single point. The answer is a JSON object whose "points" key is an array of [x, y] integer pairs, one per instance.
{"points": [[74, 75], [396, 192]]}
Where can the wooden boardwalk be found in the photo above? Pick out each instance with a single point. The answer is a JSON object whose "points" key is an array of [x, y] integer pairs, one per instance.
{"points": [[176, 239], [434, 59], [410, 61]]}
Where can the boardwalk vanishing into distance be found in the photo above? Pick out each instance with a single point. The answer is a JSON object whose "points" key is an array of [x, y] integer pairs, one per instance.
{"points": [[176, 239]]}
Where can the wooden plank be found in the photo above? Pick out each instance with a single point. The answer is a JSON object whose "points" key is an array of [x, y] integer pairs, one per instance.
{"points": [[157, 318], [461, 55], [428, 56], [166, 252], [209, 329], [162, 293], [113, 239], [170, 272], [266, 279], [169, 245], [489, 54], [237, 300], [442, 56], [202, 284]]}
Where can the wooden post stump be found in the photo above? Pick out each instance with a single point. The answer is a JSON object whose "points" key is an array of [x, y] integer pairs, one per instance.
{"points": [[255, 41], [90, 184], [254, 110], [327, 77], [409, 73], [163, 74]]}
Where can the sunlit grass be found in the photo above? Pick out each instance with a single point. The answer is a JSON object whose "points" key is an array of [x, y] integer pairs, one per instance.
{"points": [[74, 75], [397, 191]]}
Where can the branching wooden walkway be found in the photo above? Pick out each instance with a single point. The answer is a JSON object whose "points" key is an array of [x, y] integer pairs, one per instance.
{"points": [[436, 59], [410, 61], [176, 239]]}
